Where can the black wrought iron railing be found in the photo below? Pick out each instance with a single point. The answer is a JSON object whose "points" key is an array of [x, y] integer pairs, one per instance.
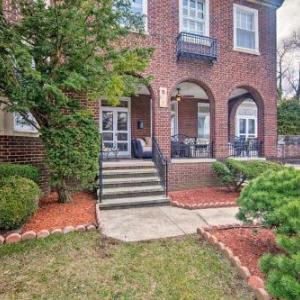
{"points": [[241, 147], [183, 146], [190, 45], [100, 177], [161, 164]]}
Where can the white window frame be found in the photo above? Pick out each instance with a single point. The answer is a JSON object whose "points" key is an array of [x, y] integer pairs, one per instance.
{"points": [[237, 7], [204, 114], [206, 19], [145, 14], [175, 113], [25, 128], [247, 118]]}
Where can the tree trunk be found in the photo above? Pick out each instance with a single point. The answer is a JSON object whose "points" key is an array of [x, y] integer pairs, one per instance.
{"points": [[64, 195]]}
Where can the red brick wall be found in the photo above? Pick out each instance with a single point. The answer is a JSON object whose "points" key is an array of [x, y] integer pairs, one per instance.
{"points": [[188, 117], [24, 150], [257, 73], [140, 110], [191, 175]]}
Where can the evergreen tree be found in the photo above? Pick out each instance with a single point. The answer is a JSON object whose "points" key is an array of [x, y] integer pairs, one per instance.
{"points": [[53, 55]]}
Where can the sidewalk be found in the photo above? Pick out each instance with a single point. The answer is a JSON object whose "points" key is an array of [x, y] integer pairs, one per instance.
{"points": [[138, 224]]}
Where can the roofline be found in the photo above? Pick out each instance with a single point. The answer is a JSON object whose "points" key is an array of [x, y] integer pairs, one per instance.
{"points": [[270, 3]]}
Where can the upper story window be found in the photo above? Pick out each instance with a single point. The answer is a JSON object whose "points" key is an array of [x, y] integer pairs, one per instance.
{"points": [[139, 7], [194, 16], [246, 29]]}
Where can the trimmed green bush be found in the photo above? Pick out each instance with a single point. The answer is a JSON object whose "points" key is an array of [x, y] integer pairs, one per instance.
{"points": [[274, 198], [26, 171], [234, 173], [18, 201]]}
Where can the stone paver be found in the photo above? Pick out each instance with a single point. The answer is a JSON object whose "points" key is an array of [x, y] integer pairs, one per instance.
{"points": [[137, 224]]}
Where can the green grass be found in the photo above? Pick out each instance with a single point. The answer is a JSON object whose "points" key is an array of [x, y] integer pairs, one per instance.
{"points": [[86, 266]]}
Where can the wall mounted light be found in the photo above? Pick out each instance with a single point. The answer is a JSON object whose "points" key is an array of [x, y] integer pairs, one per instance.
{"points": [[178, 96]]}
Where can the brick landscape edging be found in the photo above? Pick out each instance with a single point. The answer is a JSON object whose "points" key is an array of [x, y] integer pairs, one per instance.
{"points": [[31, 234], [203, 205], [255, 283]]}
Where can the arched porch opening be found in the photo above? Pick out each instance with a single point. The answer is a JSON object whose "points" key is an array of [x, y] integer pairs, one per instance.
{"points": [[192, 125], [245, 124]]}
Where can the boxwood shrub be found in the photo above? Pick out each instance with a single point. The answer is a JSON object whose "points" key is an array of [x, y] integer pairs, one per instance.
{"points": [[18, 201], [26, 171], [234, 173]]}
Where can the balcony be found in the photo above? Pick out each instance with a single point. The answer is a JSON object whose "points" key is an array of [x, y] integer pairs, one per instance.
{"points": [[241, 147], [194, 46]]}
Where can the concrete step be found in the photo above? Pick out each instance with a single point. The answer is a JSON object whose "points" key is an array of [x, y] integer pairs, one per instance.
{"points": [[130, 181], [121, 173], [134, 202], [137, 191], [128, 164]]}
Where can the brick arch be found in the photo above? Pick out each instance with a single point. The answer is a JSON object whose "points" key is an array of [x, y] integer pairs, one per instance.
{"points": [[210, 95], [233, 105]]}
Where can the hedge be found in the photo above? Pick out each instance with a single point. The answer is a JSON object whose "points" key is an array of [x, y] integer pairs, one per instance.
{"points": [[26, 171]]}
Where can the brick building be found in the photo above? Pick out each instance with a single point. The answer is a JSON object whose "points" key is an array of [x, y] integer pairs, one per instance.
{"points": [[213, 92]]}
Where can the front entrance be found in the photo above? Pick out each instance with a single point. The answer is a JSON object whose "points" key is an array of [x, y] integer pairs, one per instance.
{"points": [[115, 128]]}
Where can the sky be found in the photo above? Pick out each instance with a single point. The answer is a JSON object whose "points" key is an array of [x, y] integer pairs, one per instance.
{"points": [[288, 18]]}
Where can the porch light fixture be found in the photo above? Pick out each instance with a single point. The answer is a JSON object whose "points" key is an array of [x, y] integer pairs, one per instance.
{"points": [[178, 96]]}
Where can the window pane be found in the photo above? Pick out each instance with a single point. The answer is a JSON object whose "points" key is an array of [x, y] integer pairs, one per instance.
{"points": [[251, 126], [107, 120], [245, 39], [122, 136], [107, 136], [242, 126], [123, 147], [122, 121]]}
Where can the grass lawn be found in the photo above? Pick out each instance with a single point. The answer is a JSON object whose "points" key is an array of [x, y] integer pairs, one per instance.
{"points": [[86, 266]]}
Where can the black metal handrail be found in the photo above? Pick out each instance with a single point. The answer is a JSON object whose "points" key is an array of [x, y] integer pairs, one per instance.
{"points": [[100, 179], [161, 164], [193, 45], [183, 146], [241, 147]]}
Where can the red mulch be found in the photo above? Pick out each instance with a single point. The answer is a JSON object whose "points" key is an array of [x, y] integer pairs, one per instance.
{"points": [[248, 244], [209, 196], [52, 215]]}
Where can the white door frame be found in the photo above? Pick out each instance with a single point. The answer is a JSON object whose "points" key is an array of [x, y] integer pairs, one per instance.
{"points": [[118, 109]]}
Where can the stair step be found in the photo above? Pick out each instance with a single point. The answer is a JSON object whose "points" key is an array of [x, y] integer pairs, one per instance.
{"points": [[138, 191], [134, 202], [128, 164], [130, 181], [128, 172]]}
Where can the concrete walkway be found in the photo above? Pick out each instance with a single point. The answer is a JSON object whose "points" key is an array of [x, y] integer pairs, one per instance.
{"points": [[138, 224]]}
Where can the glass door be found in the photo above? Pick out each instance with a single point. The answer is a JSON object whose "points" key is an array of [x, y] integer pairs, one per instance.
{"points": [[247, 127], [115, 130]]}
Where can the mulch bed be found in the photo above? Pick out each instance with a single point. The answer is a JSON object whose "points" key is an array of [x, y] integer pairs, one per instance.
{"points": [[53, 215], [204, 197], [249, 244]]}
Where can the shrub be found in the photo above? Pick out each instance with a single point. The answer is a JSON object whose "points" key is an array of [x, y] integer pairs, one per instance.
{"points": [[271, 191], [26, 171], [274, 198], [234, 173], [18, 201], [289, 117]]}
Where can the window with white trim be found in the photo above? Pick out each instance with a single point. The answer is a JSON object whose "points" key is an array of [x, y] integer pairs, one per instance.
{"points": [[246, 122], [21, 125], [194, 16], [246, 35], [139, 7], [174, 118]]}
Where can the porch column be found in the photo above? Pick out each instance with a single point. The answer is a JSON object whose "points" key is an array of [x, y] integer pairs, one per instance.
{"points": [[221, 149], [161, 121]]}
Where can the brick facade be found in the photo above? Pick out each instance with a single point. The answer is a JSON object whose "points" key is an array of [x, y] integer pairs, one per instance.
{"points": [[255, 73], [24, 150]]}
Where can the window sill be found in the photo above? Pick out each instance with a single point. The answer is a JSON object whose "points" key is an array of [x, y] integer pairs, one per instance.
{"points": [[247, 51]]}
